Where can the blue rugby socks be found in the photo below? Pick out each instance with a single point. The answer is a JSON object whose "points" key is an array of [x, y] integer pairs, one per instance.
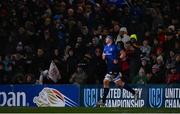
{"points": [[128, 88], [106, 91]]}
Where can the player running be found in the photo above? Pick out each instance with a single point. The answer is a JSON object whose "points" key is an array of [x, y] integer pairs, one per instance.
{"points": [[111, 55]]}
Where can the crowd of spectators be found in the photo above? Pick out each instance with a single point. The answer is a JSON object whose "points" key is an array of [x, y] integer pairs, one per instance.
{"points": [[72, 33]]}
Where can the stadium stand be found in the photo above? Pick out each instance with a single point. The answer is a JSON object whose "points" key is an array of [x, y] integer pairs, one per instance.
{"points": [[72, 33]]}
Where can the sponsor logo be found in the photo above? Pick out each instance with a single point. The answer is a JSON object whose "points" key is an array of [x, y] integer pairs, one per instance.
{"points": [[155, 97], [90, 97], [50, 97], [115, 98], [13, 99]]}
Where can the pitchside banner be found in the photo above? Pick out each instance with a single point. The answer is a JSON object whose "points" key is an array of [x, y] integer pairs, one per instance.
{"points": [[164, 96], [154, 96], [39, 95]]}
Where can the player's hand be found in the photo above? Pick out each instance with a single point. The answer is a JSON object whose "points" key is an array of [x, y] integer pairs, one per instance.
{"points": [[115, 61]]}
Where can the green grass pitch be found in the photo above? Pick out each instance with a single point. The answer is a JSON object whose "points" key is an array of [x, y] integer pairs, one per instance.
{"points": [[86, 110]]}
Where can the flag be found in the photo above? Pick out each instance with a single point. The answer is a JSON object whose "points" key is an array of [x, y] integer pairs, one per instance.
{"points": [[53, 73]]}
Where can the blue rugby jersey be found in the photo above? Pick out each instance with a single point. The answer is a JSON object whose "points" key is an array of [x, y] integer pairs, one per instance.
{"points": [[111, 53]]}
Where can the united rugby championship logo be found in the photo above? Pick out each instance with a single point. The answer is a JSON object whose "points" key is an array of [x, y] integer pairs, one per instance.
{"points": [[90, 97], [155, 97]]}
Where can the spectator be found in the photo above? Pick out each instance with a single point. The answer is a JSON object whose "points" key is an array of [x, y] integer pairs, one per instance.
{"points": [[80, 47], [140, 78], [124, 64], [89, 68], [159, 51], [173, 76], [134, 57], [40, 62], [18, 79], [29, 79], [123, 35], [161, 36], [79, 77], [158, 71], [71, 63], [154, 77], [155, 45], [100, 66], [170, 42], [145, 65], [66, 54], [18, 63], [145, 49], [171, 60]]}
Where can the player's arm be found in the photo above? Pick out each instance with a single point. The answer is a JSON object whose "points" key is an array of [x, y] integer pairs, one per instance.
{"points": [[103, 56], [122, 54]]}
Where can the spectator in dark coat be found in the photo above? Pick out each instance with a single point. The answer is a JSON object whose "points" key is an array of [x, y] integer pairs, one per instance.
{"points": [[158, 71], [71, 63], [40, 62], [100, 66]]}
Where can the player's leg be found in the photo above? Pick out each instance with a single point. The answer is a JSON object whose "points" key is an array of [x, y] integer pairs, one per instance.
{"points": [[106, 90], [119, 83], [122, 84], [106, 81]]}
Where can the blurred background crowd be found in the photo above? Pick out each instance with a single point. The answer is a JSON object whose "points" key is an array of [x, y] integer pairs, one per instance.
{"points": [[72, 33]]}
